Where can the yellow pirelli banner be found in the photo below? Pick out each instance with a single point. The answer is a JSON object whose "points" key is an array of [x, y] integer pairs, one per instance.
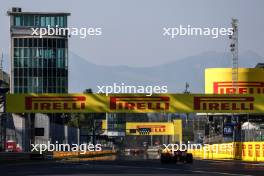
{"points": [[173, 129], [133, 103], [149, 128], [245, 151], [219, 81]]}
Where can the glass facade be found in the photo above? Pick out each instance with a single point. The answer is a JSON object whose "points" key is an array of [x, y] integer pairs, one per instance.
{"points": [[40, 65], [24, 20]]}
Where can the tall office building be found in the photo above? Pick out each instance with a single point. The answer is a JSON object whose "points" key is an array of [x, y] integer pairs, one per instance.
{"points": [[38, 64]]}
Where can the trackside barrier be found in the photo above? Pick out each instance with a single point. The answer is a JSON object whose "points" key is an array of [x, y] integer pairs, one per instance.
{"points": [[14, 156], [245, 151], [134, 103], [60, 155]]}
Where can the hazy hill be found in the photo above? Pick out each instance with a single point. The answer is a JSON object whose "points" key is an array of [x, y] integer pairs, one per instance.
{"points": [[83, 74]]}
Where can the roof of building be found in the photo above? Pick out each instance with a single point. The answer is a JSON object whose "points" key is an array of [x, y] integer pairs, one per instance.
{"points": [[38, 13], [18, 10], [260, 65]]}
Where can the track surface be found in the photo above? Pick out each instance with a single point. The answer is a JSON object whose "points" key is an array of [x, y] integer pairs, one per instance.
{"points": [[132, 167]]}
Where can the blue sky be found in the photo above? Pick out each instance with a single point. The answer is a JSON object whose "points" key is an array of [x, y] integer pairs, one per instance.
{"points": [[132, 29]]}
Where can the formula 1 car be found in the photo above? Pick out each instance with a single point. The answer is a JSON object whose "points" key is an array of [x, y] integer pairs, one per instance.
{"points": [[174, 157]]}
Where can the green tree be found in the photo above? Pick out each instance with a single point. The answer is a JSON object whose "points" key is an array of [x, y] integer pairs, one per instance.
{"points": [[82, 120]]}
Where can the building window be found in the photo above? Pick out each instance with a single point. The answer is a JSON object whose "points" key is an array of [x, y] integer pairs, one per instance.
{"points": [[21, 52], [43, 21], [25, 62], [30, 65], [21, 62], [35, 63], [36, 20], [52, 21], [30, 42], [16, 52], [25, 42], [35, 42], [15, 62], [31, 20], [15, 42], [26, 20], [60, 21], [20, 42], [63, 21], [35, 82], [18, 20], [47, 20]]}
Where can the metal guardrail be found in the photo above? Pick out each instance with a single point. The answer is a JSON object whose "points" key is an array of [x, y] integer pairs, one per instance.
{"points": [[253, 135], [246, 136]]}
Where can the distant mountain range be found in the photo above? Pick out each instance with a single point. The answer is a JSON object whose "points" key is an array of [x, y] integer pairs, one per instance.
{"points": [[83, 74]]}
